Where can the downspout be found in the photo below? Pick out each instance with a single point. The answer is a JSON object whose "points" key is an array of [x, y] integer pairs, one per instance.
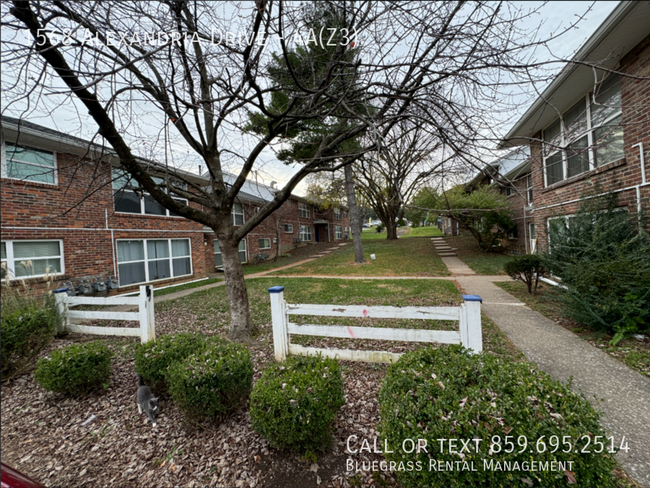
{"points": [[525, 232], [112, 242], [643, 181]]}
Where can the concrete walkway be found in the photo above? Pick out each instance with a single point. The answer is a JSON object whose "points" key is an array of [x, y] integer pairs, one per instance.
{"points": [[620, 393]]}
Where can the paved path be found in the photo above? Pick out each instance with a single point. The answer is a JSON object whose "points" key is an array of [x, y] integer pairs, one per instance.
{"points": [[620, 393]]}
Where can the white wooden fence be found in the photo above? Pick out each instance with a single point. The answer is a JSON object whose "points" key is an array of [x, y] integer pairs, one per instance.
{"points": [[468, 315], [144, 315]]}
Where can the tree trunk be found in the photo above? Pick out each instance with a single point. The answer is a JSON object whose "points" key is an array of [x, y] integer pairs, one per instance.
{"points": [[241, 327], [355, 220], [391, 229]]}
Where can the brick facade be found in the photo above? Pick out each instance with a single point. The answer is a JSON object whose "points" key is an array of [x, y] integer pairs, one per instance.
{"points": [[79, 211], [623, 176]]}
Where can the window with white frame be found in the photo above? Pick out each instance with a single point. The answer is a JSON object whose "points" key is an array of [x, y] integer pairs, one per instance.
{"points": [[288, 228], [338, 234], [532, 238], [529, 189], [587, 135], [126, 200], [305, 233], [237, 214], [509, 191], [345, 213], [264, 243], [28, 164], [218, 261], [512, 233], [337, 213], [303, 210], [141, 261], [32, 259]]}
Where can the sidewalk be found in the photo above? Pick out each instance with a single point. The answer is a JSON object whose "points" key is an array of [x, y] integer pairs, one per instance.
{"points": [[621, 394]]}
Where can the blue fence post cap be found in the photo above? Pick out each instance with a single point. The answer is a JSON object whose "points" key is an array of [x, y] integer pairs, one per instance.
{"points": [[472, 298], [61, 290], [276, 289]]}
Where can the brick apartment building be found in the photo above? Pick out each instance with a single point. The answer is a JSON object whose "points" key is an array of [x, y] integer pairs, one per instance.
{"points": [[67, 211], [600, 142]]}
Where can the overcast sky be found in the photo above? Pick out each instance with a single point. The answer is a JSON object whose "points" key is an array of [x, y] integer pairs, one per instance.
{"points": [[553, 16]]}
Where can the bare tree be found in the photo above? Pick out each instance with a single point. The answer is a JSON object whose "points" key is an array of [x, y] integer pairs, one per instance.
{"points": [[409, 158], [202, 69]]}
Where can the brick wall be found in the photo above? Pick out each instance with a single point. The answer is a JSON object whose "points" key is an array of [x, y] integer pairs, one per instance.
{"points": [[618, 176]]}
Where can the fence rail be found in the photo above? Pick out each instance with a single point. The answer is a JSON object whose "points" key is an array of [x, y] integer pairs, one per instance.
{"points": [[468, 315], [144, 315]]}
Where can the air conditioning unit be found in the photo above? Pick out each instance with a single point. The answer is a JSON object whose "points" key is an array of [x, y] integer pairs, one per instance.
{"points": [[275, 240]]}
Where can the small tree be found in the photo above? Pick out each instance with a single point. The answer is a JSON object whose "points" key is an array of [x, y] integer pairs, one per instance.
{"points": [[484, 212], [527, 268]]}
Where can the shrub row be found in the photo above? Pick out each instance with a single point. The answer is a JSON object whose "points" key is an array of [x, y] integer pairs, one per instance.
{"points": [[448, 393]]}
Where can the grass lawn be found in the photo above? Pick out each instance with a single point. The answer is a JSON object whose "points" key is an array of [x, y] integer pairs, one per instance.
{"points": [[186, 286], [210, 310], [372, 234], [402, 257], [428, 231], [632, 352], [484, 263]]}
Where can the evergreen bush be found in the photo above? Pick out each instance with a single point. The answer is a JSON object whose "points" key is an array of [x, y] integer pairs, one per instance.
{"points": [[514, 414], [602, 255], [75, 369], [154, 358], [211, 382], [295, 402]]}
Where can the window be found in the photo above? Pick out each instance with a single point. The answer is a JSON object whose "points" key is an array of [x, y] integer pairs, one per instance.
{"points": [[127, 201], [288, 228], [24, 163], [305, 233], [141, 261], [345, 213], [532, 238], [337, 213], [512, 233], [337, 232], [237, 214], [529, 189], [218, 261], [587, 135], [303, 210], [265, 243], [32, 259], [509, 191]]}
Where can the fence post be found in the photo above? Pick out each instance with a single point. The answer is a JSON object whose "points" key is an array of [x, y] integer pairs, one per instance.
{"points": [[60, 298], [147, 323], [471, 335], [279, 318]]}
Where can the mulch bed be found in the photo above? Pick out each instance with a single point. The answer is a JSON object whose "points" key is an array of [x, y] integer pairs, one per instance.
{"points": [[44, 436]]}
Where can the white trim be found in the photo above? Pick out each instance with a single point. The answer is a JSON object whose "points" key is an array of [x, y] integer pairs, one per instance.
{"points": [[4, 163], [11, 260], [287, 231], [146, 260], [304, 207], [263, 239], [102, 229]]}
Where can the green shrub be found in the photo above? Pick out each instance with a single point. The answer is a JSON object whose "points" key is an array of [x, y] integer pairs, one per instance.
{"points": [[294, 403], [153, 358], [602, 256], [447, 393], [527, 268], [379, 229], [75, 369], [212, 381], [28, 325]]}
